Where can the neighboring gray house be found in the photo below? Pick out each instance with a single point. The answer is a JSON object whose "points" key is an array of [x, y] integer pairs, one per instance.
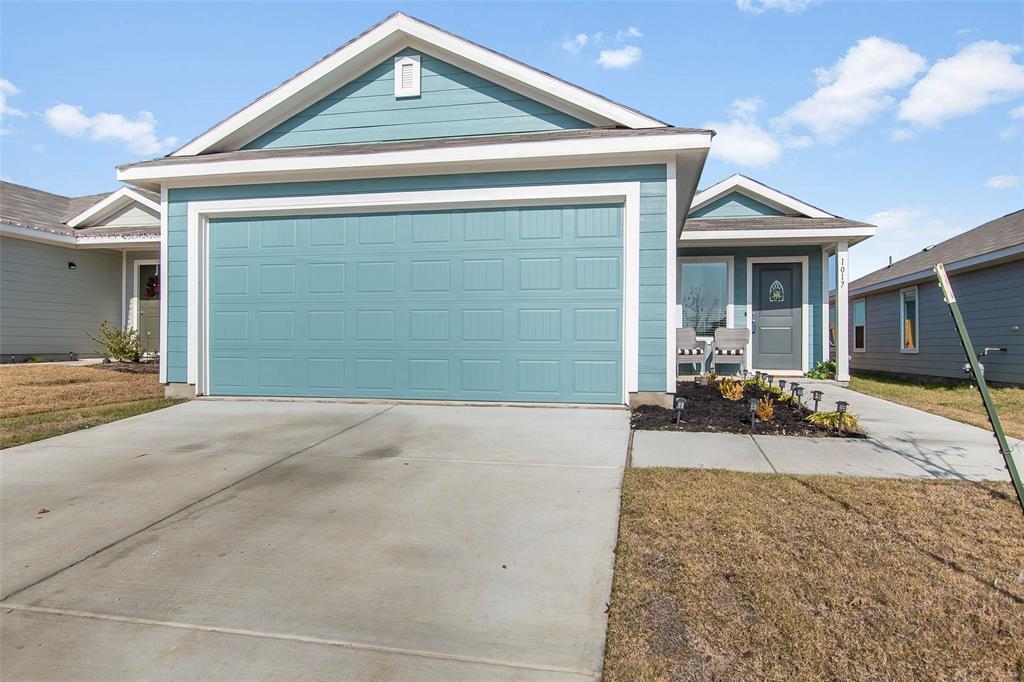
{"points": [[900, 324], [67, 264]]}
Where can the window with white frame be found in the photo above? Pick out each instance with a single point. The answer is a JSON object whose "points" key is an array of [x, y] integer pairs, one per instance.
{"points": [[859, 327], [909, 340], [704, 293]]}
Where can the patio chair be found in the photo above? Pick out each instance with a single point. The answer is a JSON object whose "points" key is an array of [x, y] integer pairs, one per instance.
{"points": [[689, 350], [729, 343]]}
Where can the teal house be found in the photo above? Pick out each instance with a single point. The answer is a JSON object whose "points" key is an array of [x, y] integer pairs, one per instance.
{"points": [[418, 217]]}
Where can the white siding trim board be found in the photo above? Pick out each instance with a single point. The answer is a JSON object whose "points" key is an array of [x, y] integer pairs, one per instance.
{"points": [[200, 213]]}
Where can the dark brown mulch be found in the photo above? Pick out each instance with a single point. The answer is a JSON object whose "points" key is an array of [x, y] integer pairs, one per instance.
{"points": [[130, 367], [706, 410]]}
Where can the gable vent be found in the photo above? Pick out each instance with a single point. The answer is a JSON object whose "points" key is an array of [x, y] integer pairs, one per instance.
{"points": [[407, 76]]}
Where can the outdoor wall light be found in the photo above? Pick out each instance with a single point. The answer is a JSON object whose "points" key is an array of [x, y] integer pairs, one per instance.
{"points": [[71, 266], [816, 397], [841, 406], [680, 406]]}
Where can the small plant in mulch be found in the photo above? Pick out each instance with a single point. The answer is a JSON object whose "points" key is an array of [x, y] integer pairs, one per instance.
{"points": [[826, 369], [730, 389], [120, 345], [765, 409], [832, 420]]}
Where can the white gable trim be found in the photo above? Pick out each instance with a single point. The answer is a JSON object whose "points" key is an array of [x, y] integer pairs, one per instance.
{"points": [[384, 39], [759, 192], [114, 202]]}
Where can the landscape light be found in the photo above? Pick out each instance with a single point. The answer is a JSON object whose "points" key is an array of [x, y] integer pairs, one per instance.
{"points": [[841, 406], [782, 384], [753, 411], [792, 388], [799, 392], [680, 406], [816, 396]]}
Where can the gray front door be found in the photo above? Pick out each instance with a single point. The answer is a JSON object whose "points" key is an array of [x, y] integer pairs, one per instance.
{"points": [[777, 324]]}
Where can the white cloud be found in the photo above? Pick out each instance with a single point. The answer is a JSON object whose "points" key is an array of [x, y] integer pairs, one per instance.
{"points": [[1010, 132], [980, 74], [1017, 112], [630, 32], [855, 89], [787, 6], [576, 43], [139, 135], [8, 89], [742, 140], [902, 134], [620, 58], [902, 231], [1002, 182]]}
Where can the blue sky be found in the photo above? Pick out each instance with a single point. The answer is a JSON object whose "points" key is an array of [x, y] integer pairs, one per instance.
{"points": [[906, 114]]}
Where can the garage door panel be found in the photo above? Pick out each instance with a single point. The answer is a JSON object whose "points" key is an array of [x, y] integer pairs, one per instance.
{"points": [[510, 304]]}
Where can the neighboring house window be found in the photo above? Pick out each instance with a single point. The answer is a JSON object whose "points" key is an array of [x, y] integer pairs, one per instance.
{"points": [[859, 314], [704, 294], [909, 340]]}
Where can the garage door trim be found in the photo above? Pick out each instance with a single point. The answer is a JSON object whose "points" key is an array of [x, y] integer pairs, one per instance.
{"points": [[200, 213]]}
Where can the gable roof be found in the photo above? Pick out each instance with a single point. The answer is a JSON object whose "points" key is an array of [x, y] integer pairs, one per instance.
{"points": [[45, 212], [396, 32], [112, 203], [997, 238], [787, 204]]}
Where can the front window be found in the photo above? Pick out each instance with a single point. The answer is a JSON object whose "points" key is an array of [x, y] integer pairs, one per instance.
{"points": [[908, 316], [859, 315], [704, 294]]}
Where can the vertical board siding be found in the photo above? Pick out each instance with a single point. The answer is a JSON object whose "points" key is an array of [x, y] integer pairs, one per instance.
{"points": [[452, 103], [653, 297], [991, 302], [735, 205], [739, 283], [46, 308]]}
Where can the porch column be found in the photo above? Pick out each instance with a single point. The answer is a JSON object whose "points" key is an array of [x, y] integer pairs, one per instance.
{"points": [[842, 311]]}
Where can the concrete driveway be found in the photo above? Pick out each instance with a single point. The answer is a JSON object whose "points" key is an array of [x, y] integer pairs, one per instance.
{"points": [[249, 540]]}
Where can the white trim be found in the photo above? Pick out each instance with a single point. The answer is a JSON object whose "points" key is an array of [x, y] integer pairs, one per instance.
{"points": [[853, 312], [757, 191], [74, 241], [671, 299], [124, 287], [917, 320], [413, 61], [825, 311], [842, 311], [730, 267], [113, 202], [805, 307], [135, 289], [806, 234], [434, 161], [20, 232], [163, 285], [377, 44], [199, 214]]}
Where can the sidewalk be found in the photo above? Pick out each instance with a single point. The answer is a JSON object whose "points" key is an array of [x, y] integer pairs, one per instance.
{"points": [[903, 443]]}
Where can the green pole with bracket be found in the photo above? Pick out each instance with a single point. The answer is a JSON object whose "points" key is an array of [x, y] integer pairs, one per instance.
{"points": [[979, 380]]}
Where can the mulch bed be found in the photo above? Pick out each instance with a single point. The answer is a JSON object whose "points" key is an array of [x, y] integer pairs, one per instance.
{"points": [[130, 367], [707, 411]]}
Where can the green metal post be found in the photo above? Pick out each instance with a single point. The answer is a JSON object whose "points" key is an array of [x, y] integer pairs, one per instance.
{"points": [[979, 381]]}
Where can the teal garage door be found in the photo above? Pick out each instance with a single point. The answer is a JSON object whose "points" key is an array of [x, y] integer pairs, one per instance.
{"points": [[511, 304]]}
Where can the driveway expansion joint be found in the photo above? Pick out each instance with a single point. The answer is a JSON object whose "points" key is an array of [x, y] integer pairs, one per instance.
{"points": [[191, 504]]}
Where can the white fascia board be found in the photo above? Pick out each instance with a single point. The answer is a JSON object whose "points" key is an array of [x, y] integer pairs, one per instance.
{"points": [[832, 234], [114, 202], [118, 242], [73, 241], [20, 232], [434, 158], [758, 191], [967, 263], [379, 42]]}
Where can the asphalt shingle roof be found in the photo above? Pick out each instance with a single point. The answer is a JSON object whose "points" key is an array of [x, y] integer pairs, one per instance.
{"points": [[994, 235], [47, 212], [784, 222]]}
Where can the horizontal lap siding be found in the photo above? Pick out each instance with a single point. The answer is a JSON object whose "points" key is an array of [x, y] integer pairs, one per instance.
{"points": [[739, 283], [46, 308], [991, 302], [735, 205], [651, 356], [453, 103]]}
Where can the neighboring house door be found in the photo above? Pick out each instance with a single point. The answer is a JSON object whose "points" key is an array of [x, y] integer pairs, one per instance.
{"points": [[777, 309], [149, 307], [511, 304]]}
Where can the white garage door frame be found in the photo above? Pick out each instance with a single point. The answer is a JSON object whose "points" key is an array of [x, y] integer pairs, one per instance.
{"points": [[200, 213]]}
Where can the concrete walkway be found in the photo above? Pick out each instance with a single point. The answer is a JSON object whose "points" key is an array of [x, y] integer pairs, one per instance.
{"points": [[240, 540], [903, 443]]}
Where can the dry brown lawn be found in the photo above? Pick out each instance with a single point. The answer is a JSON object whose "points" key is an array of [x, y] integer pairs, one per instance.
{"points": [[35, 388], [951, 399], [733, 576]]}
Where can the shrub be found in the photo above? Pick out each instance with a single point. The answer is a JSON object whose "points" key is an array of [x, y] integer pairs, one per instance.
{"points": [[709, 378], [765, 409], [831, 420], [825, 369], [730, 389], [34, 358], [121, 345]]}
